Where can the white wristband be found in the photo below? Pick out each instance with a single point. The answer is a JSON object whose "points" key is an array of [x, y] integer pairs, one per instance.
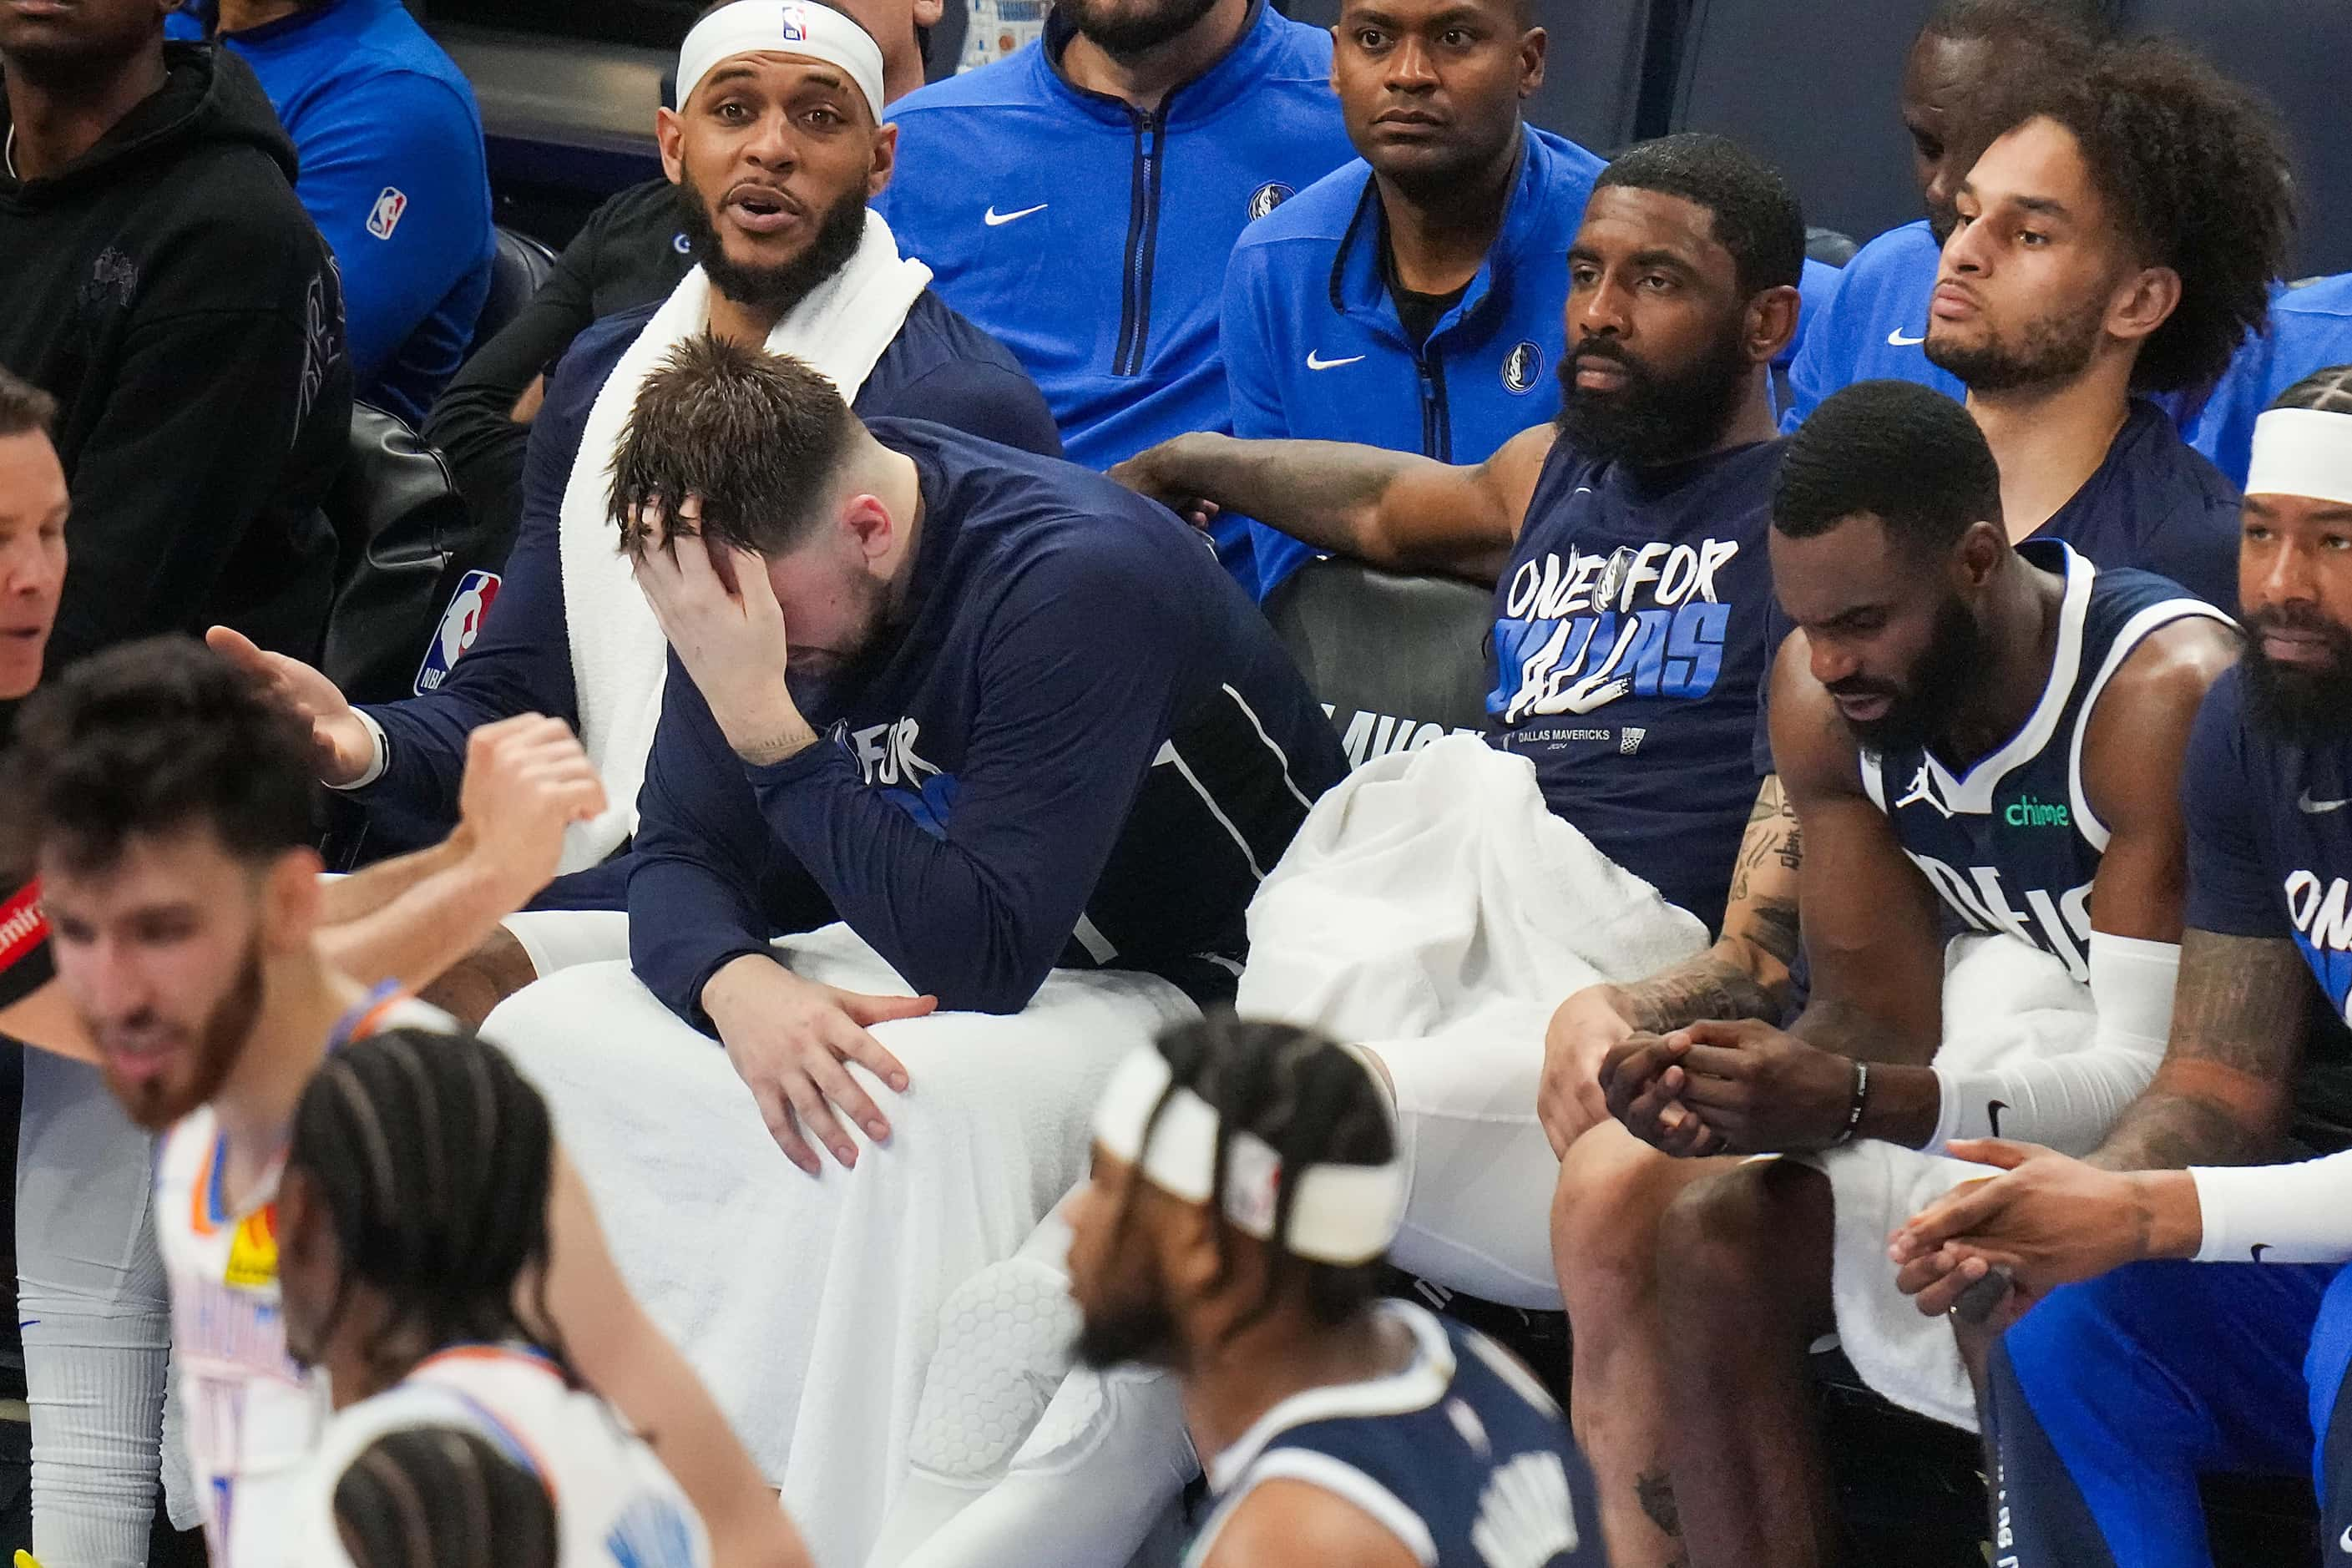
{"points": [[2277, 1213], [379, 744]]}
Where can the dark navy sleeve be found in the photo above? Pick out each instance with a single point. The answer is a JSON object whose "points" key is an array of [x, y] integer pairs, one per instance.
{"points": [[522, 661], [995, 403], [2197, 547], [406, 215], [2231, 891], [1068, 724], [697, 899]]}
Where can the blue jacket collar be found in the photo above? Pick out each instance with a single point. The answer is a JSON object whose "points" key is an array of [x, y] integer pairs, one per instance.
{"points": [[1208, 94], [1358, 287], [208, 12]]}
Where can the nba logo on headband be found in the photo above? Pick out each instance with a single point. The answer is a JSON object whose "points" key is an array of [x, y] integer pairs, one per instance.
{"points": [[795, 25]]}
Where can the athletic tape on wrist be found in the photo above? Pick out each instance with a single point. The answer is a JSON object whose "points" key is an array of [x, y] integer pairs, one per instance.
{"points": [[1343, 1215], [782, 27], [2301, 452]]}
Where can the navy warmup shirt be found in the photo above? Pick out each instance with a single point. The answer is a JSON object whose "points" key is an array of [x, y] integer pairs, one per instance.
{"points": [[1460, 1456], [1630, 650], [2012, 844], [2270, 856], [1081, 746], [1092, 237], [394, 175], [1317, 347], [938, 367]]}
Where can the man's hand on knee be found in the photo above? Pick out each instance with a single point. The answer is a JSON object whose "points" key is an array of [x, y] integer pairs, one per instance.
{"points": [[1642, 1080], [791, 1040]]}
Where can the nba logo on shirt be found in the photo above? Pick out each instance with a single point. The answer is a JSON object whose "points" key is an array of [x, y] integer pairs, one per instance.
{"points": [[1522, 369], [795, 26], [461, 623], [385, 215], [1267, 197]]}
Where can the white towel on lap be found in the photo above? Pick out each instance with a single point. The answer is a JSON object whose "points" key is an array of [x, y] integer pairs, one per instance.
{"points": [[2003, 1001], [809, 1304], [618, 654], [1434, 911]]}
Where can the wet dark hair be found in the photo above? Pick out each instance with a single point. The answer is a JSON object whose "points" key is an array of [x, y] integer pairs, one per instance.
{"points": [[434, 1159], [2196, 172], [154, 737], [443, 1496], [1909, 457], [1756, 216], [1314, 1103], [757, 437]]}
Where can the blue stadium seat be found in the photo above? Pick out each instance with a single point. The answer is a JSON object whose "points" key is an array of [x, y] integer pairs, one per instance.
{"points": [[2293, 52], [1812, 94]]}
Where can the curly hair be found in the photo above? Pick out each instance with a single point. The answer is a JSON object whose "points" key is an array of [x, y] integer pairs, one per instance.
{"points": [[2196, 170]]}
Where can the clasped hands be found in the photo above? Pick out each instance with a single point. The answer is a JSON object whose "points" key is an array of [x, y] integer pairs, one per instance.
{"points": [[1742, 1088]]}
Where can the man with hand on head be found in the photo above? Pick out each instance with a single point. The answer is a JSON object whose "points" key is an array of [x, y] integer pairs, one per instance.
{"points": [[164, 799], [1080, 200], [775, 153], [2113, 1396], [892, 706], [1976, 737], [1248, 1179], [1413, 299]]}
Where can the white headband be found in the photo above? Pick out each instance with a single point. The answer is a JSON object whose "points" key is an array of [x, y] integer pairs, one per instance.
{"points": [[783, 27], [1344, 1214], [2301, 452]]}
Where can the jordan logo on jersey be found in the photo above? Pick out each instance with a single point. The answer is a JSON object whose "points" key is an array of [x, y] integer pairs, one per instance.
{"points": [[253, 1250], [1526, 1517], [1642, 622]]}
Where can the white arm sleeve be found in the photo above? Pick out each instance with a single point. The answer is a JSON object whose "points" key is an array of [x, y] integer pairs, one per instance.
{"points": [[2069, 1101], [2292, 1214]]}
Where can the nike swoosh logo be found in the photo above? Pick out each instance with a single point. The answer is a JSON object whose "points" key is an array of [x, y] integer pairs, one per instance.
{"points": [[995, 219], [1900, 341], [2319, 807], [1315, 361], [2255, 1252], [2346, 1543], [1993, 1108]]}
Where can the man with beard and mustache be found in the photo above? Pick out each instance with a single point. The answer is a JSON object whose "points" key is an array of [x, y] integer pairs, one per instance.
{"points": [[164, 799], [940, 716], [1972, 63], [1412, 299], [1979, 738], [774, 154], [2128, 1377], [1080, 201], [1248, 1180]]}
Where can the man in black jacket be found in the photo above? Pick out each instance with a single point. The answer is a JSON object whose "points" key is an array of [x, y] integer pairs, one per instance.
{"points": [[167, 288]]}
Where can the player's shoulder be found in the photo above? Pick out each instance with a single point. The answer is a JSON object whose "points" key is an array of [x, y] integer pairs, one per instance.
{"points": [[1012, 82], [1292, 1522], [1317, 217]]}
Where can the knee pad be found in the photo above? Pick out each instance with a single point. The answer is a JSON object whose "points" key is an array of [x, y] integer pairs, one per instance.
{"points": [[1004, 1349]]}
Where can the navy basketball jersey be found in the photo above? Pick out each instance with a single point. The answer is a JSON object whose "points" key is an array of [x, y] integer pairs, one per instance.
{"points": [[2012, 845], [1629, 651], [1462, 1456]]}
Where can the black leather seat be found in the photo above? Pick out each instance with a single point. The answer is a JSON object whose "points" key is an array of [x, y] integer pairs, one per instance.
{"points": [[407, 542], [1399, 660], [518, 269]]}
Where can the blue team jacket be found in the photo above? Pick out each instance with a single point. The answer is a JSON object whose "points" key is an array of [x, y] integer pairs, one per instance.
{"points": [[1091, 237], [1314, 349], [394, 175], [2311, 331], [1874, 326]]}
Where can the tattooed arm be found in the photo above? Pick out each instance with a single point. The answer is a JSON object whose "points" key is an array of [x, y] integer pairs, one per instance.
{"points": [[1396, 510], [2222, 1096]]}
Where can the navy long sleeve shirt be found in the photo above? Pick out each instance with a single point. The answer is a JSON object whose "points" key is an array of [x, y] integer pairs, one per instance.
{"points": [[939, 367], [1077, 745]]}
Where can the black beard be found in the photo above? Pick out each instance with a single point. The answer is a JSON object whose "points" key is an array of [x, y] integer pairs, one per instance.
{"points": [[1144, 1333], [1658, 418], [2302, 707], [1956, 657], [2050, 350], [1125, 37], [772, 289]]}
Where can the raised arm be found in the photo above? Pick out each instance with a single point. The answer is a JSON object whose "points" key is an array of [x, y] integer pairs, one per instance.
{"points": [[1395, 510]]}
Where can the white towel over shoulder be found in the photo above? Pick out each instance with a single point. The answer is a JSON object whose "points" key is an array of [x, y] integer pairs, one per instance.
{"points": [[618, 656], [2004, 1002]]}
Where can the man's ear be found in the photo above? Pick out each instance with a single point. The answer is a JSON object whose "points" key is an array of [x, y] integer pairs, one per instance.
{"points": [[2144, 302], [1981, 550], [869, 525], [886, 161], [670, 134], [291, 901], [1772, 323], [929, 12]]}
